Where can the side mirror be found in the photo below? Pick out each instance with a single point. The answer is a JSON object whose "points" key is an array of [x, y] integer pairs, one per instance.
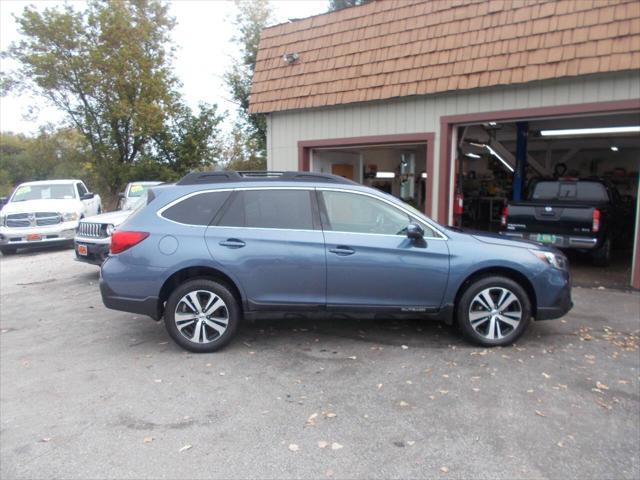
{"points": [[121, 195], [415, 231], [87, 196], [3, 200]]}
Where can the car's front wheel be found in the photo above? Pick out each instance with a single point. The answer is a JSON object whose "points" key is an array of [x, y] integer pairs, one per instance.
{"points": [[202, 315], [493, 311]]}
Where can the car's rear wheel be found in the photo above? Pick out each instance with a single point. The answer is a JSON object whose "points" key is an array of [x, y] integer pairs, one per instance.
{"points": [[202, 315], [493, 311]]}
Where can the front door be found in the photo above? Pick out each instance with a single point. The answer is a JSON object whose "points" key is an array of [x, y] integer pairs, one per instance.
{"points": [[370, 260], [270, 240], [344, 170]]}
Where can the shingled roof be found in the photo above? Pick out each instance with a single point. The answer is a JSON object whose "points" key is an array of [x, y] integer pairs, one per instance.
{"points": [[391, 48]]}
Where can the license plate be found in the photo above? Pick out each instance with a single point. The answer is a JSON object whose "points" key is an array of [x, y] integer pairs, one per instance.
{"points": [[82, 250], [546, 238], [32, 237]]}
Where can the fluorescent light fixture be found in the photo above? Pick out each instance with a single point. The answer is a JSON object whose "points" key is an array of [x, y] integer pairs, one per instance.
{"points": [[476, 144], [614, 148], [423, 174], [493, 124], [590, 131], [385, 175], [472, 155], [504, 162]]}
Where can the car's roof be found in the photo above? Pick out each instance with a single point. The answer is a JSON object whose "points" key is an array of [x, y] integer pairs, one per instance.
{"points": [[51, 182], [146, 182], [231, 177]]}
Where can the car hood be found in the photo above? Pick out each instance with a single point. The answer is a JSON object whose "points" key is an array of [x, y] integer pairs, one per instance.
{"points": [[496, 239], [50, 205], [114, 218]]}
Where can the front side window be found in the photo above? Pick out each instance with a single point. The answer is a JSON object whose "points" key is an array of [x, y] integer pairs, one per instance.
{"points": [[283, 209], [354, 213], [198, 209]]}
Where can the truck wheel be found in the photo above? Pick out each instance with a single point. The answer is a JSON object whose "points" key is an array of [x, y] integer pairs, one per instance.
{"points": [[202, 315], [493, 311], [8, 250], [602, 256]]}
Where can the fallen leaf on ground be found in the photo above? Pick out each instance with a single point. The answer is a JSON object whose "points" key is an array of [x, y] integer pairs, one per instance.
{"points": [[293, 447], [403, 403], [603, 404], [404, 347], [311, 421], [353, 357], [331, 415], [222, 374], [158, 380], [162, 343], [444, 469], [546, 375], [147, 440], [45, 440], [410, 442], [336, 446], [323, 444], [379, 386], [185, 448], [601, 386], [540, 414]]}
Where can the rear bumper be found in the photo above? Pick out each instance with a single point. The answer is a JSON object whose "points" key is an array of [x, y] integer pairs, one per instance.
{"points": [[577, 242], [145, 306]]}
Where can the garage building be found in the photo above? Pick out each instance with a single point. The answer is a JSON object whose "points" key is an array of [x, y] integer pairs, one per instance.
{"points": [[442, 103]]}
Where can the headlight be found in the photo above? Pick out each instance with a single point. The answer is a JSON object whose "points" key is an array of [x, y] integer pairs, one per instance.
{"points": [[109, 230], [70, 216], [550, 258]]}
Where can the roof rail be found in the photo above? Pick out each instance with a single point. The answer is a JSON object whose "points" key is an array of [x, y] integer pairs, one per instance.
{"points": [[196, 178]]}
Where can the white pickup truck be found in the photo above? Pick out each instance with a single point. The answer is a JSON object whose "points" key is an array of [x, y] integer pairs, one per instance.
{"points": [[45, 212]]}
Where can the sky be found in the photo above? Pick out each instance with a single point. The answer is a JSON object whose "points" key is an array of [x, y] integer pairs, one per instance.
{"points": [[204, 51]]}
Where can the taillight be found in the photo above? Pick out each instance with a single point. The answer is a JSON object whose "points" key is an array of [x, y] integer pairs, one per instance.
{"points": [[123, 240], [595, 226], [503, 220]]}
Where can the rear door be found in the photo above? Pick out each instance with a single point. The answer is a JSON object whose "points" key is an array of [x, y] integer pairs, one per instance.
{"points": [[270, 240], [370, 260]]}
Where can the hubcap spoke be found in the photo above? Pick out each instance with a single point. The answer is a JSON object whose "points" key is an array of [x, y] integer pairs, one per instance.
{"points": [[192, 301], [212, 306], [485, 300], [506, 299], [509, 321]]}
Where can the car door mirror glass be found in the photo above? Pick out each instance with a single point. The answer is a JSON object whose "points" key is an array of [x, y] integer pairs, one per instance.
{"points": [[415, 231], [87, 196]]}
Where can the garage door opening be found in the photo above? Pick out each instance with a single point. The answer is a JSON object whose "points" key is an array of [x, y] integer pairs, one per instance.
{"points": [[587, 162], [397, 169]]}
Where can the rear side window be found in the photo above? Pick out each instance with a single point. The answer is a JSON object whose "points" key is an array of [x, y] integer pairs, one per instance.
{"points": [[287, 209], [198, 209]]}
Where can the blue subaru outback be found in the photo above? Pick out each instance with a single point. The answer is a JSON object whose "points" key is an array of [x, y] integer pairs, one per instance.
{"points": [[221, 246]]}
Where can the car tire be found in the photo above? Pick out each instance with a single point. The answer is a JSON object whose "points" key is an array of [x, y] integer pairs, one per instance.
{"points": [[8, 250], [214, 311], [507, 306], [602, 256]]}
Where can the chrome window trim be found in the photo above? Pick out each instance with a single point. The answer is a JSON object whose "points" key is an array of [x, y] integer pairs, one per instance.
{"points": [[408, 212], [344, 190]]}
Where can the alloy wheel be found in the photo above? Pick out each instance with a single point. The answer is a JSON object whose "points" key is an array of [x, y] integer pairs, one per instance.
{"points": [[495, 313], [201, 316]]}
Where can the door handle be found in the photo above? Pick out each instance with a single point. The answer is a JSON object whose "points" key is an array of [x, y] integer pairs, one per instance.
{"points": [[232, 243], [342, 250]]}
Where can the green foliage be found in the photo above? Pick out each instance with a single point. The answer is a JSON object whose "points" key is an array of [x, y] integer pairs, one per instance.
{"points": [[190, 142], [241, 153], [340, 4], [107, 68], [252, 17], [51, 154]]}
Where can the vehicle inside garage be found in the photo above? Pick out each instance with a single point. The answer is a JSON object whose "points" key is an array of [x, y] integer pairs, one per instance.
{"points": [[503, 163]]}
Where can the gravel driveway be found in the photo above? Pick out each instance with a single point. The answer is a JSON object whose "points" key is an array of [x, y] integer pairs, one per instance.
{"points": [[92, 393]]}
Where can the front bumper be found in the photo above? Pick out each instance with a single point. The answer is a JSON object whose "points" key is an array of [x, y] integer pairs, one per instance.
{"points": [[97, 249], [31, 236], [554, 294], [578, 242]]}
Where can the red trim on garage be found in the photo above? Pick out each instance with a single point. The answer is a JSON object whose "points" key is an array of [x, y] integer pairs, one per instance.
{"points": [[305, 146], [447, 168]]}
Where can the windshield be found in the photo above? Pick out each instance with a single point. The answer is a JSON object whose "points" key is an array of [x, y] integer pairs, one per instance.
{"points": [[137, 190], [138, 203], [43, 192]]}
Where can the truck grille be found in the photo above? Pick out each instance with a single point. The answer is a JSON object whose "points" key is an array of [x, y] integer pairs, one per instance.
{"points": [[38, 219], [94, 230]]}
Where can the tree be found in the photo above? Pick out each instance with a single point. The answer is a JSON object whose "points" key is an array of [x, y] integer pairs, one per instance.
{"points": [[340, 4], [108, 68], [252, 17], [190, 142]]}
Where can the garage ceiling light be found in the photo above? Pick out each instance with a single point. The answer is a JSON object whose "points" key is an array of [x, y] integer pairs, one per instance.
{"points": [[590, 131], [472, 155], [614, 148], [385, 175]]}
